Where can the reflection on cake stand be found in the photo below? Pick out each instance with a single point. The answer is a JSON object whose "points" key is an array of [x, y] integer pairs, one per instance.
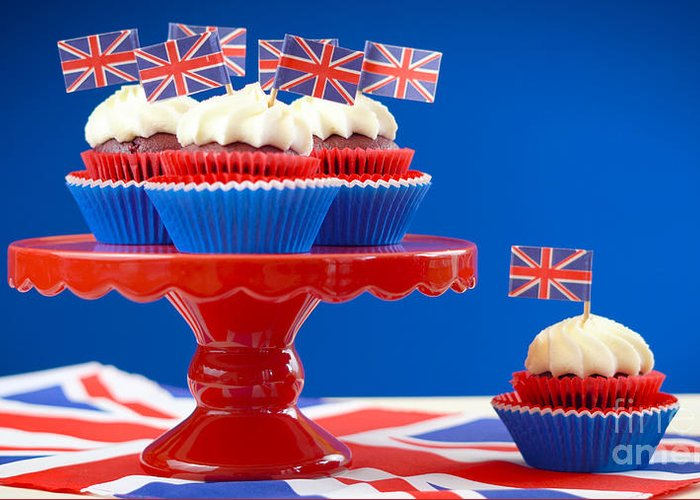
{"points": [[245, 311]]}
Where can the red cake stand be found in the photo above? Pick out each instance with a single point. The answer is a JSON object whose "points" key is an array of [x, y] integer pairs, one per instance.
{"points": [[245, 311]]}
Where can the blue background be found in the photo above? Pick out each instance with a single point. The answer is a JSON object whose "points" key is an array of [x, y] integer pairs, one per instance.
{"points": [[556, 123]]}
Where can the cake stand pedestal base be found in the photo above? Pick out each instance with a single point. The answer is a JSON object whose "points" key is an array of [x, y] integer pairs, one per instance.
{"points": [[245, 377]]}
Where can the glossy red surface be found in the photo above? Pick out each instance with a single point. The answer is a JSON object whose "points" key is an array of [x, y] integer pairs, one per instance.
{"points": [[245, 311]]}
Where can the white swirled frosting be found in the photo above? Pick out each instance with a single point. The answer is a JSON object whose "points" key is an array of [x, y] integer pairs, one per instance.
{"points": [[366, 117], [598, 346], [244, 116], [127, 114]]}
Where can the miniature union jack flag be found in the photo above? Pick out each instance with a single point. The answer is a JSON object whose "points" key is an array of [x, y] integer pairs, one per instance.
{"points": [[551, 273], [232, 40], [182, 67], [320, 70], [99, 60], [269, 53], [400, 72]]}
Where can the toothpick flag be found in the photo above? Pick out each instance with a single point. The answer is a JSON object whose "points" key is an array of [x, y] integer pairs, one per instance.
{"points": [[400, 72], [551, 273], [99, 60], [269, 53], [319, 70], [182, 67], [232, 40]]}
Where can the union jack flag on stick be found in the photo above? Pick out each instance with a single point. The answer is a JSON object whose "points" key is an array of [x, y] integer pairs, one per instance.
{"points": [[99, 60], [400, 72], [182, 67], [269, 53], [320, 70], [232, 40], [551, 273]]}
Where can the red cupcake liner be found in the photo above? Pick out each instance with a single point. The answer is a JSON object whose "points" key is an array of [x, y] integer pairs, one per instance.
{"points": [[358, 161], [410, 174], [226, 178], [655, 401], [239, 162], [122, 166], [587, 392]]}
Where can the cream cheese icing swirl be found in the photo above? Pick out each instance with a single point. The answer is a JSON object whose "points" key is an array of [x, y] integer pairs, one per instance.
{"points": [[244, 116], [127, 114], [366, 117], [598, 346]]}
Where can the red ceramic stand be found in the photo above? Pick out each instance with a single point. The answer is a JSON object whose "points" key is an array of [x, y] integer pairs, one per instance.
{"points": [[245, 311]]}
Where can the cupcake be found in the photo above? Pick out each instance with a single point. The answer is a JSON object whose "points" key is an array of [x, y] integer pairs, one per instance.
{"points": [[357, 139], [243, 181], [589, 399], [239, 133], [598, 363], [233, 213], [126, 133]]}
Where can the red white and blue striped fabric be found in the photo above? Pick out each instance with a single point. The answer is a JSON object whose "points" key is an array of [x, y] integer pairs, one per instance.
{"points": [[81, 428]]}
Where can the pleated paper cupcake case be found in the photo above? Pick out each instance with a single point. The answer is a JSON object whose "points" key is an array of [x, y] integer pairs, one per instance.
{"points": [[373, 210], [239, 162], [226, 214], [358, 161], [590, 392], [583, 440], [125, 167], [117, 212]]}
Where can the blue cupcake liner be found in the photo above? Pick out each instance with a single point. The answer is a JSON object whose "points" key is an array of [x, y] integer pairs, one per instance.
{"points": [[569, 440], [117, 212], [278, 216], [372, 213]]}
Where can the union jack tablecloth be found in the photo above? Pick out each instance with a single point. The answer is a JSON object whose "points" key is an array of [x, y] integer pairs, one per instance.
{"points": [[81, 428]]}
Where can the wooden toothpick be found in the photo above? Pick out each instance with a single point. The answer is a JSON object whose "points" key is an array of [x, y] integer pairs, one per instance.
{"points": [[586, 310], [229, 89], [273, 98]]}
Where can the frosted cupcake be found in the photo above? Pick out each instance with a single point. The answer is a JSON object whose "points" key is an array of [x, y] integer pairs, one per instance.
{"points": [[357, 139], [589, 400], [239, 133], [126, 133], [242, 183], [598, 363]]}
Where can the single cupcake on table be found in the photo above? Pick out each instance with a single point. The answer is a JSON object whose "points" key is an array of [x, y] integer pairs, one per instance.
{"points": [[589, 399], [238, 133], [242, 182], [127, 135], [357, 139]]}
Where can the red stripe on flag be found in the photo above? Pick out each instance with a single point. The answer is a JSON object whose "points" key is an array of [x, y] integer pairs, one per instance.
{"points": [[435, 494], [110, 432], [401, 462], [96, 389], [458, 446], [369, 420], [73, 478]]}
